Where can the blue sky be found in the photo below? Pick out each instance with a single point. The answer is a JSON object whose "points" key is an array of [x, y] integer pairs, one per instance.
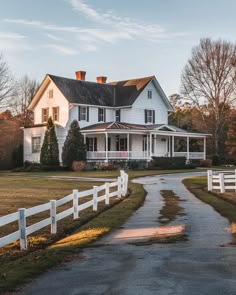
{"points": [[118, 39]]}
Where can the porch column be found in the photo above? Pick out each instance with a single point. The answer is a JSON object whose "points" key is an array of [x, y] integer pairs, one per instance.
{"points": [[84, 138], [155, 145], [169, 146], [204, 148], [187, 148], [173, 146], [128, 145], [150, 147], [106, 146]]}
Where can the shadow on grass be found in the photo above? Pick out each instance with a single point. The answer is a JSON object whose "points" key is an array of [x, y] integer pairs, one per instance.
{"points": [[26, 265]]}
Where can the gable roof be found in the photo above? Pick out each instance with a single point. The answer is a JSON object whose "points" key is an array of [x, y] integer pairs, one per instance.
{"points": [[127, 91], [113, 94]]}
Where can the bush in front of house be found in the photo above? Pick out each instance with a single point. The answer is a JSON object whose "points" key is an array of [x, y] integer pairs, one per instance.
{"points": [[74, 148], [49, 156], [17, 156], [170, 163]]}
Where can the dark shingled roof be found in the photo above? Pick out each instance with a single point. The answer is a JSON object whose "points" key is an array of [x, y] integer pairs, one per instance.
{"points": [[114, 94], [84, 92]]}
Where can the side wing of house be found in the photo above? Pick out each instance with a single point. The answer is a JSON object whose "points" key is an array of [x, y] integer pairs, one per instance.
{"points": [[48, 102], [151, 107]]}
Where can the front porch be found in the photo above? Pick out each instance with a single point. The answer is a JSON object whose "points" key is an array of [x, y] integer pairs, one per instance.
{"points": [[142, 143]]}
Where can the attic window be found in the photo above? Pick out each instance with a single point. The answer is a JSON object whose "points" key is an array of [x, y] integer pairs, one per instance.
{"points": [[50, 93], [149, 93]]}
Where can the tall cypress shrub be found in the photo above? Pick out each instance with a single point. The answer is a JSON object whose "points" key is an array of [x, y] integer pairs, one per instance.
{"points": [[74, 148], [49, 155]]}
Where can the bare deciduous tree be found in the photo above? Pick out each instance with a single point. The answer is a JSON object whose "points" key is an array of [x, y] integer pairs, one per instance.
{"points": [[25, 90], [6, 84], [209, 81]]}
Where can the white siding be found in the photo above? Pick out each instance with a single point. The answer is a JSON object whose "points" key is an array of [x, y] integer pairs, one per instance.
{"points": [[93, 116], [28, 134], [135, 114], [40, 131], [58, 100]]}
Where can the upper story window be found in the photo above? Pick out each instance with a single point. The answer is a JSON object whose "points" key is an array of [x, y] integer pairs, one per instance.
{"points": [[149, 116], [50, 93], [36, 144], [101, 115], [83, 113], [117, 115], [149, 94], [45, 115], [55, 114]]}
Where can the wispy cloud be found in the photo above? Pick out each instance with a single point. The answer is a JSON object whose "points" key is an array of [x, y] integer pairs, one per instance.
{"points": [[54, 38], [13, 41], [104, 27], [63, 50], [123, 27], [11, 35]]}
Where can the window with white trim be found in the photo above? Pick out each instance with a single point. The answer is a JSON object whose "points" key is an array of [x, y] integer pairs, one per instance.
{"points": [[91, 143], [145, 145], [55, 114], [83, 113], [101, 115], [149, 116], [45, 115], [118, 115], [36, 144], [149, 94]]}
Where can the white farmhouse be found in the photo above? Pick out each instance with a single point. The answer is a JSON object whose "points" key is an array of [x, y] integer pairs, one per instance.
{"points": [[124, 120]]}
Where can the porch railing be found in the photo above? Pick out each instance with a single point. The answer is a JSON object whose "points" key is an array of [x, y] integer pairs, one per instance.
{"points": [[136, 155], [117, 155]]}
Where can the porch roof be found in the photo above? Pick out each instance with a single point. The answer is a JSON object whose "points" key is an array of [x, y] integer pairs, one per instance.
{"points": [[120, 127]]}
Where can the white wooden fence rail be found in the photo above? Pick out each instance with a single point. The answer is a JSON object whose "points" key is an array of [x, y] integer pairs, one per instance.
{"points": [[221, 180], [20, 216]]}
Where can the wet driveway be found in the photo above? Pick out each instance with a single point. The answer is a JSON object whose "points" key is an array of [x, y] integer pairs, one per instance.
{"points": [[130, 261]]}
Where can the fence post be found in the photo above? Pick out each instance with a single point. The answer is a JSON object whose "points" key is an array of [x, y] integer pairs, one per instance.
{"points": [[22, 228], [107, 192], [222, 185], [119, 188], [126, 183], [95, 198], [75, 204], [122, 173], [235, 180], [53, 214], [209, 180]]}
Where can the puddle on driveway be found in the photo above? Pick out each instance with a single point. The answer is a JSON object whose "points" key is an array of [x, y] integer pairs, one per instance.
{"points": [[171, 209]]}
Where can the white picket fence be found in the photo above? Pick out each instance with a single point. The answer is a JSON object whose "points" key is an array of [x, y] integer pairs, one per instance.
{"points": [[22, 213], [221, 180]]}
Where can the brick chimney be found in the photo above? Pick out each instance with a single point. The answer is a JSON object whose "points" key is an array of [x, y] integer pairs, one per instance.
{"points": [[80, 75], [101, 79]]}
